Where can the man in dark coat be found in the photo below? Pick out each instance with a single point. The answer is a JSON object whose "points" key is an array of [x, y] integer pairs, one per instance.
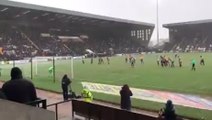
{"points": [[19, 89], [65, 84]]}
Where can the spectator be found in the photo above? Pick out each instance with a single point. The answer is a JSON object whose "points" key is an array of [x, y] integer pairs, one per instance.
{"points": [[125, 93], [65, 83], [168, 113], [87, 95], [19, 89]]}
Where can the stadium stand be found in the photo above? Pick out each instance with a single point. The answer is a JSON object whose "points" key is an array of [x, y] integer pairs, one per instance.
{"points": [[189, 36], [26, 44], [15, 45], [30, 30]]}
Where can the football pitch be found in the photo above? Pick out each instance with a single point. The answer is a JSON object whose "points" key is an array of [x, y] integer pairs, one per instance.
{"points": [[148, 76]]}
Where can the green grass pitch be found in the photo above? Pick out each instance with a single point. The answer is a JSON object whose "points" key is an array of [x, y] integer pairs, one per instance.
{"points": [[145, 76]]}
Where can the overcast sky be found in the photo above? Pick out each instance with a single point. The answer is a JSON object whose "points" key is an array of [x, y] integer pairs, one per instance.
{"points": [[170, 11]]}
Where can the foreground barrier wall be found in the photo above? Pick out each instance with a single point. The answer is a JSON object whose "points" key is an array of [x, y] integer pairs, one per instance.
{"points": [[15, 111], [103, 112]]}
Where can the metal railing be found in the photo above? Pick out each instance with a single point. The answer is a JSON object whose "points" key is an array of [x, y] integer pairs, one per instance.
{"points": [[38, 103], [56, 106]]}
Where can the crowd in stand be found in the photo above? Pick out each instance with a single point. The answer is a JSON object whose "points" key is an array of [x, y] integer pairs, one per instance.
{"points": [[16, 43], [190, 43]]}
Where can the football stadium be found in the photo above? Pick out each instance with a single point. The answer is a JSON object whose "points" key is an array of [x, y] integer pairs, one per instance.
{"points": [[104, 53]]}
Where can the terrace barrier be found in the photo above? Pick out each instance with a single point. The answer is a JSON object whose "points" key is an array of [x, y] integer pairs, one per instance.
{"points": [[102, 112]]}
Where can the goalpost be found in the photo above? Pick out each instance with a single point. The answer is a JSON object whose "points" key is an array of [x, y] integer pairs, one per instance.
{"points": [[72, 67], [36, 61], [36, 66]]}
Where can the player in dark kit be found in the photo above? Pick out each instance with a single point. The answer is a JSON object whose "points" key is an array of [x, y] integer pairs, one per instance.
{"points": [[99, 60], [180, 62], [83, 61], [172, 63], [202, 61], [92, 60], [126, 59], [176, 55]]}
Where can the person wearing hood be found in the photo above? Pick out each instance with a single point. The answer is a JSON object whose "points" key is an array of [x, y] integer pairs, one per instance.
{"points": [[168, 112], [18, 89]]}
